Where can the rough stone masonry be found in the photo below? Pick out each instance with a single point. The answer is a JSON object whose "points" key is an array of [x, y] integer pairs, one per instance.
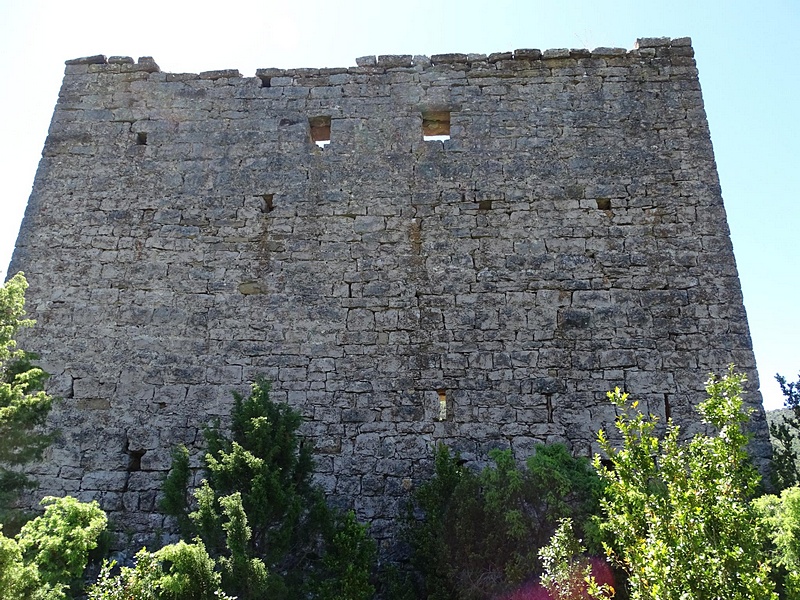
{"points": [[560, 232]]}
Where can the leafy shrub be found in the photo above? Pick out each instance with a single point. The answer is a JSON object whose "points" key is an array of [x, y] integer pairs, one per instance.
{"points": [[17, 580], [781, 517], [258, 511], [50, 553], [481, 531], [58, 542], [137, 583], [677, 516], [348, 556], [176, 572]]}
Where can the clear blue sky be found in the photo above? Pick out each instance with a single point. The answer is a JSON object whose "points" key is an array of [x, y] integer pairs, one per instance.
{"points": [[747, 53]]}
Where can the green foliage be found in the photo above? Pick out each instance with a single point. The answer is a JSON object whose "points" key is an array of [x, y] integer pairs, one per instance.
{"points": [[258, 511], [481, 531], [242, 575], [23, 404], [176, 572], [785, 432], [137, 583], [349, 552], [781, 517], [50, 553], [175, 500], [678, 517], [17, 579], [566, 574], [58, 542], [190, 574], [264, 460]]}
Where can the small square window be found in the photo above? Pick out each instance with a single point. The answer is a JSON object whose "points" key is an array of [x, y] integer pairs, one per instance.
{"points": [[320, 130], [436, 125]]}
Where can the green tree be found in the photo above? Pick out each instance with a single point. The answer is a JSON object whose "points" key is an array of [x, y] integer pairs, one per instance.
{"points": [[785, 432], [481, 531], [258, 511], [781, 517], [50, 553], [23, 404], [677, 516]]}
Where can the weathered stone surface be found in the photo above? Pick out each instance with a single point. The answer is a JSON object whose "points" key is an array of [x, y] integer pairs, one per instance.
{"points": [[655, 42], [394, 60], [609, 51], [146, 63], [97, 59], [556, 53], [186, 235], [527, 54], [219, 74], [366, 61], [450, 58]]}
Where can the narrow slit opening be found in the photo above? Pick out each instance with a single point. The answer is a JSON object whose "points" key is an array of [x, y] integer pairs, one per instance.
{"points": [[436, 125], [667, 408], [442, 404], [268, 202], [320, 130], [549, 400]]}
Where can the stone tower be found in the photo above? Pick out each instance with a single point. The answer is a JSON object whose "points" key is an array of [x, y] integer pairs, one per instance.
{"points": [[560, 232]]}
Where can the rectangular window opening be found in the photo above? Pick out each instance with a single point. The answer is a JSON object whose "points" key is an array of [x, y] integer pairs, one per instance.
{"points": [[141, 138], [268, 202], [320, 130], [604, 203], [265, 81], [436, 125], [442, 404], [135, 460]]}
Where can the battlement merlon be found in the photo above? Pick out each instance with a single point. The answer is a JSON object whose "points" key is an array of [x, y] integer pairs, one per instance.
{"points": [[678, 50]]}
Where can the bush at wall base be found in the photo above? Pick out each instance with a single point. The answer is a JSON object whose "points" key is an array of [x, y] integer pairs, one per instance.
{"points": [[46, 560], [259, 515], [677, 516], [476, 535]]}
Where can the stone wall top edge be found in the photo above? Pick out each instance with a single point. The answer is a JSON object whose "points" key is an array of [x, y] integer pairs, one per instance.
{"points": [[644, 48]]}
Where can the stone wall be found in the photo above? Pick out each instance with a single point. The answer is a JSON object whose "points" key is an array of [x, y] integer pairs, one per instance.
{"points": [[188, 233]]}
